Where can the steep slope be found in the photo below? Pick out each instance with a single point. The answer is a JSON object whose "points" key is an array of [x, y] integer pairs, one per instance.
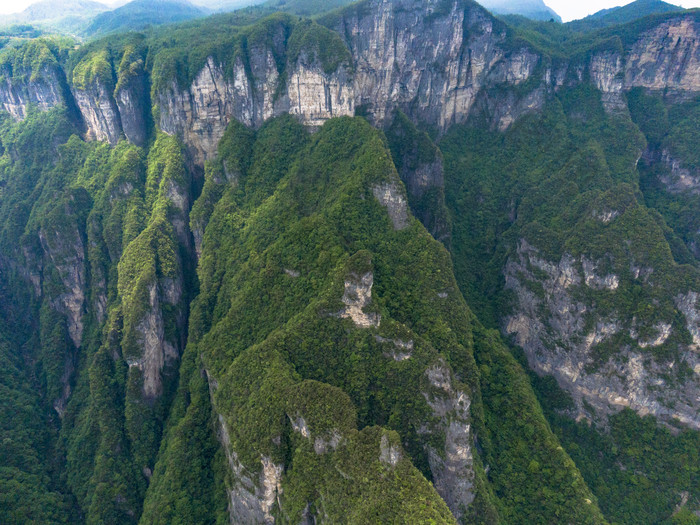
{"points": [[355, 334]]}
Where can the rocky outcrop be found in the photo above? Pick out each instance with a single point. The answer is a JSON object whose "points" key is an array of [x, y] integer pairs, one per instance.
{"points": [[133, 104], [99, 111], [64, 251], [42, 90], [677, 179], [689, 305], [391, 196], [440, 62], [157, 351], [666, 56], [555, 330], [251, 498], [357, 297], [452, 467], [419, 163], [201, 112], [606, 74], [429, 59], [315, 96]]}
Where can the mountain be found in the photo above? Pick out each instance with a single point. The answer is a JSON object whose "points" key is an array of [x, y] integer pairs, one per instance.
{"points": [[401, 262], [305, 7], [534, 9], [141, 14], [70, 16], [623, 14]]}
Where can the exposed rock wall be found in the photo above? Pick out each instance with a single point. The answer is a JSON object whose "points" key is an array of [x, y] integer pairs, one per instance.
{"points": [[201, 113], [133, 103], [666, 56], [453, 466], [554, 331], [99, 112], [43, 91], [427, 60], [64, 250]]}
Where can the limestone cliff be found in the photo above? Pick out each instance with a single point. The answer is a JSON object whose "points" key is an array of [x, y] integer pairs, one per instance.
{"points": [[440, 62], [99, 111], [42, 90], [200, 113], [560, 331]]}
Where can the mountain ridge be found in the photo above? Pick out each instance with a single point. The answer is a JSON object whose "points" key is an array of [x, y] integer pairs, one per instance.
{"points": [[534, 9], [623, 14]]}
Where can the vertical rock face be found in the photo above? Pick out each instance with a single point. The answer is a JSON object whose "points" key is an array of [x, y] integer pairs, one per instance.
{"points": [[679, 179], [427, 58], [606, 73], [358, 296], [64, 250], [452, 467], [99, 111], [420, 165], [667, 56], [42, 90], [391, 196], [157, 351], [316, 97], [251, 498], [201, 113], [133, 104], [555, 331], [437, 61]]}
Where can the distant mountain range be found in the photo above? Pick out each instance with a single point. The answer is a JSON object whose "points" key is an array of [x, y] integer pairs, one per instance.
{"points": [[623, 14], [534, 9], [66, 16], [85, 18], [140, 14]]}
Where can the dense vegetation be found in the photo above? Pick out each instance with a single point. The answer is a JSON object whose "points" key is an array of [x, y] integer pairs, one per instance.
{"points": [[267, 336], [544, 181]]}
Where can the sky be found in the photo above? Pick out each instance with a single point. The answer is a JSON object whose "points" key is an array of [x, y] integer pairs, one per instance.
{"points": [[567, 9]]}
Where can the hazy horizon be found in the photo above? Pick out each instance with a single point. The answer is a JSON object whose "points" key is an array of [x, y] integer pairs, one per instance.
{"points": [[565, 8], [573, 10]]}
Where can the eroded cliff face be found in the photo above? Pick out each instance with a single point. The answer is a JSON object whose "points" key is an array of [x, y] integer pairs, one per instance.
{"points": [[200, 113], [560, 330], [666, 56], [99, 112], [62, 273], [42, 90], [133, 103], [452, 466], [429, 59]]}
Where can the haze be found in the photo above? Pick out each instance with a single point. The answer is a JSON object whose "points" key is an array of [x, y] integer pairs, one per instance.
{"points": [[567, 9]]}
